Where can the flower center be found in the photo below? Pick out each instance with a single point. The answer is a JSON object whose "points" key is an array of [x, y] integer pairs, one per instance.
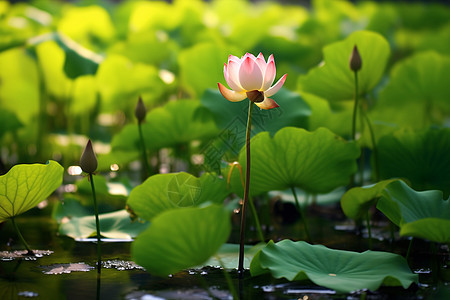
{"points": [[255, 96]]}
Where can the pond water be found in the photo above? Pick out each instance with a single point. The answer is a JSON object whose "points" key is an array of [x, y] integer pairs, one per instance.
{"points": [[67, 270]]}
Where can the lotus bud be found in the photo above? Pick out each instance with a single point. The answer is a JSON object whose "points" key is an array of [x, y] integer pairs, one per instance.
{"points": [[88, 160], [355, 60], [140, 112], [255, 96]]}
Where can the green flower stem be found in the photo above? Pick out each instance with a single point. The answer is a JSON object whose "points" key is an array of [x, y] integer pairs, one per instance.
{"points": [[144, 151], [369, 229], [30, 252], [257, 223], [408, 252], [246, 191], [374, 146], [303, 215], [355, 108], [97, 225]]}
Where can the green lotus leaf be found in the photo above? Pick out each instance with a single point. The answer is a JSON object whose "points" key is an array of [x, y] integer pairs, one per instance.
{"points": [[114, 225], [316, 162], [421, 158], [25, 186], [201, 67], [162, 192], [19, 89], [232, 116], [343, 271], [181, 238], [121, 82], [228, 256], [120, 158], [177, 122], [333, 80], [356, 202], [79, 60], [420, 84], [8, 122], [420, 214]]}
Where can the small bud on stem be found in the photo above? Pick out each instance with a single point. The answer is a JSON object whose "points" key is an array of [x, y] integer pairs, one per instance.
{"points": [[140, 112], [255, 96], [88, 160], [355, 60]]}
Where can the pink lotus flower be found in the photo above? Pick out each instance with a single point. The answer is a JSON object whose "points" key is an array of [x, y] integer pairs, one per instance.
{"points": [[251, 77]]}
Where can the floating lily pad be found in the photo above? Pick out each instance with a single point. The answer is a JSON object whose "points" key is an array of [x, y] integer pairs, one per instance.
{"points": [[25, 186], [181, 238], [316, 162], [175, 123], [167, 191], [421, 214], [333, 80], [356, 202], [421, 158], [114, 225], [343, 271]]}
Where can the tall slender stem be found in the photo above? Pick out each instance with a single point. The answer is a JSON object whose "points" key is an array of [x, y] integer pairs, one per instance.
{"points": [[30, 252], [144, 151], [303, 215], [408, 252], [246, 191], [369, 229], [374, 146], [257, 224], [355, 108], [97, 225]]}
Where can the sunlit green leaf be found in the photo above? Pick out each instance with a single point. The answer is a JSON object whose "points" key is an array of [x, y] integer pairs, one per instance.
{"points": [[114, 225], [420, 214], [333, 80], [356, 202], [19, 88], [121, 82], [177, 122], [181, 238], [418, 83], [421, 158], [343, 271], [316, 162], [201, 67], [162, 192], [25, 186]]}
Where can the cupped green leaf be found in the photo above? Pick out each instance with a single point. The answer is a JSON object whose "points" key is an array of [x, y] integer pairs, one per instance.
{"points": [[181, 238], [177, 122], [356, 202], [162, 192], [343, 271], [114, 225], [333, 80], [316, 162], [25, 186], [421, 158], [418, 83], [420, 214], [232, 116]]}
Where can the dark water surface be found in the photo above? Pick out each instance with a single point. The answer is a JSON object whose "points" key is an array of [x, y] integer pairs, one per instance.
{"points": [[68, 271]]}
